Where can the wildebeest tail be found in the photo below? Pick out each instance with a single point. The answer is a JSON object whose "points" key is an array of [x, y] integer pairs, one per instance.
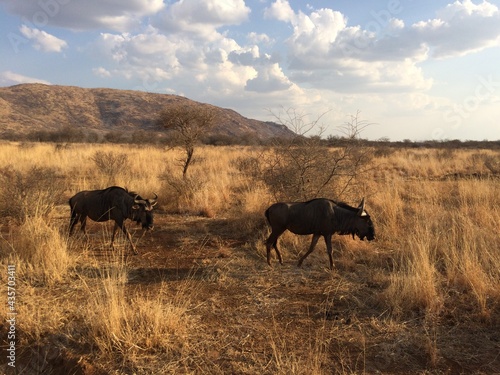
{"points": [[267, 216], [70, 202]]}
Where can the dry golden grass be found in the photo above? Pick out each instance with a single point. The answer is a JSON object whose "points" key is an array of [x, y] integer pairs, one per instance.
{"points": [[124, 328], [201, 299]]}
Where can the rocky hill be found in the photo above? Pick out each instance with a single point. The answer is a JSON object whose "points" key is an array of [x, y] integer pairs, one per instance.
{"points": [[29, 108]]}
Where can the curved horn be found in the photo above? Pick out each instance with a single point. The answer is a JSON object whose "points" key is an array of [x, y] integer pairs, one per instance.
{"points": [[361, 208], [153, 201], [139, 201]]}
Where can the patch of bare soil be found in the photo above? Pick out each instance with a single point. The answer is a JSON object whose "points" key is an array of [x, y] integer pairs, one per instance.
{"points": [[282, 319]]}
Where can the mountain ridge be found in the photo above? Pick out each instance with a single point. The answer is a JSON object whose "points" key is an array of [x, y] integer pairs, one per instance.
{"points": [[35, 107]]}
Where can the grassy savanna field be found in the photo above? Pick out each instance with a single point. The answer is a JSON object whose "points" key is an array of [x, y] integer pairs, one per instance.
{"points": [[424, 297]]}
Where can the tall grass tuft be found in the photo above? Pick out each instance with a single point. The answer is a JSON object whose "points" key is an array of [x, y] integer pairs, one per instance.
{"points": [[445, 241], [205, 191], [41, 252], [125, 327], [414, 286], [473, 257], [285, 360]]}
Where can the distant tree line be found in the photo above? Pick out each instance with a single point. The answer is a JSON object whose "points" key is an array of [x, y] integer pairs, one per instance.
{"points": [[79, 135], [70, 134], [446, 144]]}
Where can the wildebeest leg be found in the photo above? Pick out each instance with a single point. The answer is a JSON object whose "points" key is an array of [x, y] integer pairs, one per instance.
{"points": [[272, 241], [83, 224], [314, 241], [127, 233], [116, 226], [328, 241], [278, 254], [72, 222]]}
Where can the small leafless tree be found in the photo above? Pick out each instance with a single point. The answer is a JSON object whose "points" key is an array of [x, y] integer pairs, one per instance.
{"points": [[307, 166], [111, 164], [189, 122]]}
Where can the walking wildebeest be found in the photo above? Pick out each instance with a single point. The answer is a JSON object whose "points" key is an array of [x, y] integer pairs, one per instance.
{"points": [[113, 203], [319, 217]]}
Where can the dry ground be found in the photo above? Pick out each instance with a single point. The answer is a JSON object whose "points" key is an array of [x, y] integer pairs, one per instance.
{"points": [[201, 299], [248, 318]]}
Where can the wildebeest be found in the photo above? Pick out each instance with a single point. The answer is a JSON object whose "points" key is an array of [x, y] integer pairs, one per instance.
{"points": [[319, 217], [113, 203]]}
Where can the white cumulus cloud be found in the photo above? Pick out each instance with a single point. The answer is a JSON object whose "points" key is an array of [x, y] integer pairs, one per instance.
{"points": [[280, 10], [42, 40], [256, 38], [202, 17], [460, 28], [159, 59], [325, 51], [101, 72], [269, 78], [8, 78]]}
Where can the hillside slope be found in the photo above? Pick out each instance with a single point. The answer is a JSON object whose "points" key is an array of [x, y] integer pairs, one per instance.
{"points": [[28, 108]]}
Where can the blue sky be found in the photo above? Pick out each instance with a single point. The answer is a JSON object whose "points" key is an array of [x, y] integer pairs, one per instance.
{"points": [[415, 70]]}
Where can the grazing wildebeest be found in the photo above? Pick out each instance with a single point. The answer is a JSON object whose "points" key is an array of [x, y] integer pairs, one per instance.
{"points": [[319, 217], [113, 203]]}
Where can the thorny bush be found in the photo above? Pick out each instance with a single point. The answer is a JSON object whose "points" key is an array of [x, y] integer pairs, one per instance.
{"points": [[29, 194], [306, 167]]}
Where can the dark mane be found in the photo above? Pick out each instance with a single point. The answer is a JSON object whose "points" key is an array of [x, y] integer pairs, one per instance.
{"points": [[346, 206], [337, 203], [133, 194], [312, 200]]}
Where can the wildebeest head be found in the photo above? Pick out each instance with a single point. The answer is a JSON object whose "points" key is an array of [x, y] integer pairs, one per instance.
{"points": [[142, 211], [363, 225]]}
